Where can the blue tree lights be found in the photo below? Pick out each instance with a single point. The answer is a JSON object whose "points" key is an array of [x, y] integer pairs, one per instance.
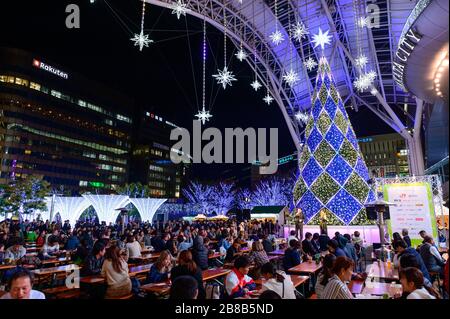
{"points": [[333, 176]]}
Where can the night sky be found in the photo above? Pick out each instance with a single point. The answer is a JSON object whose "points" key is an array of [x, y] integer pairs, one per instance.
{"points": [[161, 77]]}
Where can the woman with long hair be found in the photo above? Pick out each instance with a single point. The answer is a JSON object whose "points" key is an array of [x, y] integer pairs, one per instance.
{"points": [[186, 266], [277, 281], [325, 274], [413, 284], [161, 268], [115, 270]]}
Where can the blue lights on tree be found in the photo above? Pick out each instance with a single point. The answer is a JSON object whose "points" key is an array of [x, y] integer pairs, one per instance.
{"points": [[333, 176]]}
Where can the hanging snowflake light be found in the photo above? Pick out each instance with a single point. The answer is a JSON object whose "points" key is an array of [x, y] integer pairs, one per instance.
{"points": [[142, 40], [241, 55], [310, 64], [291, 77], [321, 39], [203, 116], [362, 22], [224, 77], [365, 81], [299, 31], [180, 8], [302, 117], [256, 85], [277, 37], [361, 61], [268, 98]]}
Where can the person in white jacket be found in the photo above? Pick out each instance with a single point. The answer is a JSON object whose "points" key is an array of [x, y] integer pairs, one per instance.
{"points": [[412, 283], [277, 281]]}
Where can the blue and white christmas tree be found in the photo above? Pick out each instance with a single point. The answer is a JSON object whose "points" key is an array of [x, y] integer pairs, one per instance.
{"points": [[333, 175]]}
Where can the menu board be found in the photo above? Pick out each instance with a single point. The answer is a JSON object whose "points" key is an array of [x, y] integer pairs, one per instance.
{"points": [[414, 210]]}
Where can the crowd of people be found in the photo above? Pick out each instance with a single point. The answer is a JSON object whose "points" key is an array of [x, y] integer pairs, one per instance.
{"points": [[184, 249]]}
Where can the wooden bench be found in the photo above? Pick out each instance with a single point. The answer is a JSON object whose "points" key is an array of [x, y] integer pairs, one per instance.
{"points": [[62, 292], [126, 297]]}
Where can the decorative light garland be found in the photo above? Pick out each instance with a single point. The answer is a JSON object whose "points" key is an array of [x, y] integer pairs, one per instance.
{"points": [[142, 40]]}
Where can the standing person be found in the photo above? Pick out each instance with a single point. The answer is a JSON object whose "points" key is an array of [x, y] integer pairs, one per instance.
{"points": [[237, 282], [115, 270], [21, 286], [406, 237], [187, 267], [337, 285], [277, 281], [413, 284]]}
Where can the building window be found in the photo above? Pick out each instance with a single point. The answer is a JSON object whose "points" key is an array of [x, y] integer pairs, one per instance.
{"points": [[35, 86]]}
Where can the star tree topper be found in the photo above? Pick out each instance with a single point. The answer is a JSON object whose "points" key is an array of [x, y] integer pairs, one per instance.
{"points": [[321, 39], [203, 116]]}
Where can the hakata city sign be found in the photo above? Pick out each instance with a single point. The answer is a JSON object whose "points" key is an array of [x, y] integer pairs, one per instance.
{"points": [[41, 65], [405, 48]]}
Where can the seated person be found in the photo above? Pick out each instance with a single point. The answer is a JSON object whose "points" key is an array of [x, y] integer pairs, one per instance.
{"points": [[413, 284], [184, 288], [356, 238], [325, 274], [187, 267], [292, 236], [308, 247], [336, 287], [431, 257], [323, 241], [269, 294], [408, 261], [233, 250], [94, 261], [292, 256], [160, 270], [267, 244], [51, 248], [237, 282], [277, 281], [2, 253], [183, 243], [133, 246], [258, 255], [334, 248], [16, 251], [401, 249], [20, 286], [115, 271]]}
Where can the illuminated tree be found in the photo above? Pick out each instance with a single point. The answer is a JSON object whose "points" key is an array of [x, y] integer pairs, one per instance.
{"points": [[199, 194], [273, 192], [222, 198], [333, 176]]}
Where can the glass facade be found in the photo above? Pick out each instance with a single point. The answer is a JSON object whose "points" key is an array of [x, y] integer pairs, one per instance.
{"points": [[46, 129], [385, 155]]}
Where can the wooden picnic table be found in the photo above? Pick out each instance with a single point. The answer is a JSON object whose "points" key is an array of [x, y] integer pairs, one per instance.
{"points": [[376, 288], [216, 255], [151, 256], [55, 270], [214, 273], [162, 288], [278, 252], [56, 261], [306, 268], [381, 270]]}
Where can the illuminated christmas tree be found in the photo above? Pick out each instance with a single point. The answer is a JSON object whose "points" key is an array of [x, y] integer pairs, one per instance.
{"points": [[333, 176]]}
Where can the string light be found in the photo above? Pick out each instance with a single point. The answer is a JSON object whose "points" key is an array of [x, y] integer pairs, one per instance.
{"points": [[142, 40]]}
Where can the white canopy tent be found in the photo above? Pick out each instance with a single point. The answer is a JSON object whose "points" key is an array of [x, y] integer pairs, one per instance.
{"points": [[147, 207], [106, 205]]}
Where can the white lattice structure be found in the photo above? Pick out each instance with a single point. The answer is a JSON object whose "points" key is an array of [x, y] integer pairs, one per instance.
{"points": [[106, 206], [147, 207], [70, 208]]}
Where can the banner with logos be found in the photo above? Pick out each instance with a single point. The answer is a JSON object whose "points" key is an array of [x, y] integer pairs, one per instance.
{"points": [[414, 210]]}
